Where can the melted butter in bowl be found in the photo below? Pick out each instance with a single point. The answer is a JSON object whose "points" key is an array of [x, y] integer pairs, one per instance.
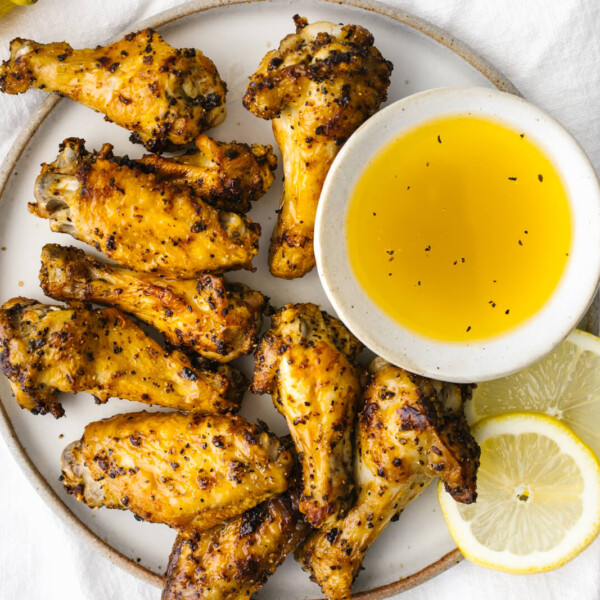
{"points": [[459, 229], [458, 234]]}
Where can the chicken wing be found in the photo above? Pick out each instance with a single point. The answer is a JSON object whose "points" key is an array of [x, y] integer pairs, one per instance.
{"points": [[190, 472], [235, 559], [46, 349], [218, 320], [123, 210], [410, 430], [305, 362], [228, 176], [165, 96], [317, 88]]}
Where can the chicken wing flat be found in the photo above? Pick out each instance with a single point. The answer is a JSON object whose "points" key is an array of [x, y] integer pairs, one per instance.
{"points": [[305, 362], [410, 430], [190, 472], [233, 560], [46, 349], [317, 88], [228, 176], [123, 210], [164, 95], [218, 320]]}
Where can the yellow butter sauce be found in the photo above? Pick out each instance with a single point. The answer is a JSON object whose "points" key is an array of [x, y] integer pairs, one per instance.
{"points": [[459, 229]]}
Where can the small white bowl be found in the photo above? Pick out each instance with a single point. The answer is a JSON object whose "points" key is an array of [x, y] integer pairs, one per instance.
{"points": [[479, 360]]}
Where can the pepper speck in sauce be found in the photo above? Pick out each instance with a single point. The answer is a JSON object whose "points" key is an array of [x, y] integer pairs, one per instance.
{"points": [[480, 215]]}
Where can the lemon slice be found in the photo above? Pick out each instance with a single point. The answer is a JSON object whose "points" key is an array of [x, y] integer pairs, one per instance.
{"points": [[538, 502], [565, 385]]}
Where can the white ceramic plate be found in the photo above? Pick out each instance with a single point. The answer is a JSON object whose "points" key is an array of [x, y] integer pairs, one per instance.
{"points": [[235, 36]]}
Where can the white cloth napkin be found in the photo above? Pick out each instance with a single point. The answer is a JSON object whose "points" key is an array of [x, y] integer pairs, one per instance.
{"points": [[550, 49]]}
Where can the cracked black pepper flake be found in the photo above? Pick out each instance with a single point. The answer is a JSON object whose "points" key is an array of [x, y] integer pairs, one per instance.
{"points": [[541, 177], [512, 178], [468, 329], [439, 139], [506, 311]]}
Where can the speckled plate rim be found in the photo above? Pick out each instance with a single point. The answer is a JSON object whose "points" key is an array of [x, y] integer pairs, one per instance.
{"points": [[7, 431]]}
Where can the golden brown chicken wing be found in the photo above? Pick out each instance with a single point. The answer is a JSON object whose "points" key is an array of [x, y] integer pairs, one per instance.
{"points": [[46, 349], [233, 560], [228, 176], [317, 88], [410, 430], [218, 320], [305, 362], [165, 96], [143, 223], [189, 471]]}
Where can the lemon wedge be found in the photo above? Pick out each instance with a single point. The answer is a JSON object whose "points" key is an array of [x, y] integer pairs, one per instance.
{"points": [[538, 502], [565, 385]]}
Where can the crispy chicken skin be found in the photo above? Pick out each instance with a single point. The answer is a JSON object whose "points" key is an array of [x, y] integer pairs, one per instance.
{"points": [[165, 96], [305, 362], [48, 349], [218, 320], [234, 559], [123, 210], [190, 472], [410, 430], [317, 88], [228, 176]]}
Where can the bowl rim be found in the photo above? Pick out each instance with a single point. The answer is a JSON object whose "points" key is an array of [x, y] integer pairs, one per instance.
{"points": [[488, 358]]}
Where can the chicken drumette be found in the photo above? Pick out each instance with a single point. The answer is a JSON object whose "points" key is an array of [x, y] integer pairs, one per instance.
{"points": [[46, 349], [190, 472], [410, 430], [305, 362], [124, 210], [228, 176], [164, 95], [218, 320], [317, 88], [234, 559]]}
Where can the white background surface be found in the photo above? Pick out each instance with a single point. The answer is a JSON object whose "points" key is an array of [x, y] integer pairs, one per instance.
{"points": [[550, 49]]}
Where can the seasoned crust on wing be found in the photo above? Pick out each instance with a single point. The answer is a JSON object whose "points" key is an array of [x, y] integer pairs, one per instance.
{"points": [[319, 52], [228, 176], [301, 362], [235, 558], [190, 472], [217, 319], [120, 207], [410, 430], [425, 410], [46, 349], [307, 321], [318, 87], [164, 95]]}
